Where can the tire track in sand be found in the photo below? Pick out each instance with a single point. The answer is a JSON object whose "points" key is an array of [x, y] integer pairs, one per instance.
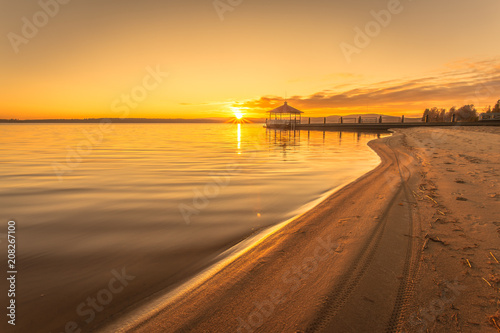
{"points": [[350, 280]]}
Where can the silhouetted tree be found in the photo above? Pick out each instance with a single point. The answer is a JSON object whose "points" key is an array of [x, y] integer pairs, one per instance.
{"points": [[497, 107], [426, 113], [466, 113], [442, 114], [434, 114], [450, 113]]}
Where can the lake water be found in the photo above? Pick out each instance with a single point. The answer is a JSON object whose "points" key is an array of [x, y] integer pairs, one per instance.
{"points": [[159, 201]]}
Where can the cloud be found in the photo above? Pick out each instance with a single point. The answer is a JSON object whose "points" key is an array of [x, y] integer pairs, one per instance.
{"points": [[463, 82], [329, 77], [199, 104]]}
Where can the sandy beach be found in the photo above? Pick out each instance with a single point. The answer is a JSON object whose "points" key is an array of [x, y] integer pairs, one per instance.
{"points": [[231, 166], [458, 200], [410, 246]]}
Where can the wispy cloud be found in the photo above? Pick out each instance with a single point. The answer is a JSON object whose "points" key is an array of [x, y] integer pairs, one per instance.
{"points": [[463, 82], [206, 103]]}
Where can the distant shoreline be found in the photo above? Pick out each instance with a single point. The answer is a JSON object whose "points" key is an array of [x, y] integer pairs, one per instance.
{"points": [[124, 121], [331, 119]]}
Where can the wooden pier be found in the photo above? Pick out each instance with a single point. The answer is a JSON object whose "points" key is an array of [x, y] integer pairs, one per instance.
{"points": [[288, 118], [370, 124], [386, 126]]}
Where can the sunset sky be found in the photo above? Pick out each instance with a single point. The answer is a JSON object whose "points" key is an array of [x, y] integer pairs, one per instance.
{"points": [[85, 56]]}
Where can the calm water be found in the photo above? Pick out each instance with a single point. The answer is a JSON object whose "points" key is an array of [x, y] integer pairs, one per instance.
{"points": [[160, 200]]}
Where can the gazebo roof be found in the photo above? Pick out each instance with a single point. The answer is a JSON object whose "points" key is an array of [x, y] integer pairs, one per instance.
{"points": [[285, 108]]}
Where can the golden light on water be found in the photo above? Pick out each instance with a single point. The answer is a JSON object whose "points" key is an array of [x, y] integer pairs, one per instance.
{"points": [[239, 139]]}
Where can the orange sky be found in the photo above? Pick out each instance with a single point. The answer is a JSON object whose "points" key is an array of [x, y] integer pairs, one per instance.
{"points": [[96, 58]]}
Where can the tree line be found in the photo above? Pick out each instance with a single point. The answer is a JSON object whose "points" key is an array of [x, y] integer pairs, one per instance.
{"points": [[465, 113]]}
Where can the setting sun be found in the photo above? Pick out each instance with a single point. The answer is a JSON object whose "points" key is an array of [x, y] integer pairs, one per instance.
{"points": [[238, 115]]}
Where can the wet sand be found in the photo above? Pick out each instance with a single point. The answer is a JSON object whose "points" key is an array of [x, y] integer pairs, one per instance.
{"points": [[408, 247]]}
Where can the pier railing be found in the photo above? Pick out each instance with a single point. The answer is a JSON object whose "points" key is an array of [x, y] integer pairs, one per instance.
{"points": [[283, 122], [375, 120], [370, 123]]}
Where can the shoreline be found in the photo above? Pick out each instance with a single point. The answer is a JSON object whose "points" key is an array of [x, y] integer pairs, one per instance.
{"points": [[164, 298], [157, 253], [290, 232], [368, 257]]}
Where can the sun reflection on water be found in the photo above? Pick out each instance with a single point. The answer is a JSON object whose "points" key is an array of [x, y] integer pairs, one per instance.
{"points": [[239, 139]]}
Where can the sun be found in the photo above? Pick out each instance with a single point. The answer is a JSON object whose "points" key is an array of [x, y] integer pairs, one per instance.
{"points": [[238, 115]]}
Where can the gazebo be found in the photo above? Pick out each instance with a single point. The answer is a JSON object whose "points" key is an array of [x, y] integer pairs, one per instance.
{"points": [[284, 116]]}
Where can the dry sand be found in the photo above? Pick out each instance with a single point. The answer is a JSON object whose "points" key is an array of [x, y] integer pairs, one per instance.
{"points": [[407, 247], [459, 202]]}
